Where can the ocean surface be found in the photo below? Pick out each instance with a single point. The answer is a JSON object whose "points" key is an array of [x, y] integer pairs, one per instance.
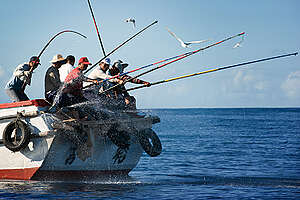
{"points": [[251, 153]]}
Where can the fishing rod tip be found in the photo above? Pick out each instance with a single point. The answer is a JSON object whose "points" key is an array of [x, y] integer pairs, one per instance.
{"points": [[156, 22], [242, 33], [296, 53]]}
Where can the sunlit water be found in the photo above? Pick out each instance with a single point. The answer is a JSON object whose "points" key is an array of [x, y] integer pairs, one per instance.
{"points": [[207, 154]]}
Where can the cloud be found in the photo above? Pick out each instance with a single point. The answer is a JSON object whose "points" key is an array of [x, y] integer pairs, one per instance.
{"points": [[248, 82], [291, 86]]}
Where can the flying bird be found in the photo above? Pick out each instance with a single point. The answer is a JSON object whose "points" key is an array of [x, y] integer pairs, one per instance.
{"points": [[239, 44], [130, 20], [185, 44]]}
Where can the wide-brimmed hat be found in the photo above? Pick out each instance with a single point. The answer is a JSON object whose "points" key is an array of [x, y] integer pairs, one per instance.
{"points": [[120, 65], [57, 58], [84, 60]]}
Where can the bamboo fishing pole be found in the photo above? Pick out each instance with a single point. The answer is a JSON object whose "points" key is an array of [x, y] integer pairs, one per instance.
{"points": [[214, 70], [42, 51], [120, 46], [181, 57], [92, 13]]}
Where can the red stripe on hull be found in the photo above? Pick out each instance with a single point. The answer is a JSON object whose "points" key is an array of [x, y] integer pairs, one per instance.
{"points": [[77, 174], [35, 102], [19, 174]]}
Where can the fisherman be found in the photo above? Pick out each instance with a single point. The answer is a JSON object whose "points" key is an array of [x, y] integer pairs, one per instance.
{"points": [[95, 92], [15, 87], [72, 88], [52, 78], [65, 69], [100, 73], [120, 91]]}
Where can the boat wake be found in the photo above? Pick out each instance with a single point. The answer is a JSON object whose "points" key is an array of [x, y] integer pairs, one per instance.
{"points": [[234, 181]]}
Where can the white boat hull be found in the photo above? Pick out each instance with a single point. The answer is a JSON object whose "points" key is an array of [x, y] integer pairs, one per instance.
{"points": [[51, 153]]}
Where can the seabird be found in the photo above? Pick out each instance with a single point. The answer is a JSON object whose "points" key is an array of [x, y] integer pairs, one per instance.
{"points": [[185, 44], [130, 20]]}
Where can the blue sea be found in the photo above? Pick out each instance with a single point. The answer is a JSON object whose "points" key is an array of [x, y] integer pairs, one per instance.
{"points": [[241, 153]]}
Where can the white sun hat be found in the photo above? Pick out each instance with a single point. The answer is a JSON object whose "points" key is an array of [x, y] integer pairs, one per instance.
{"points": [[57, 58]]}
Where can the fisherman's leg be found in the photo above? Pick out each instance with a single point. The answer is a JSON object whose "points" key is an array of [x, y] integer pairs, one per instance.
{"points": [[23, 96]]}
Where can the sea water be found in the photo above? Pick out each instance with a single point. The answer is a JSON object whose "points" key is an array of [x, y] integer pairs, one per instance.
{"points": [[242, 153]]}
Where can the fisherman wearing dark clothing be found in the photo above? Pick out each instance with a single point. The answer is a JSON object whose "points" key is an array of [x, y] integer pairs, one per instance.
{"points": [[52, 78], [120, 91], [21, 77]]}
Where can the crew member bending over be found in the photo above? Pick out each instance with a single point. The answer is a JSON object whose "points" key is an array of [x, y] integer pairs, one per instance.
{"points": [[15, 87]]}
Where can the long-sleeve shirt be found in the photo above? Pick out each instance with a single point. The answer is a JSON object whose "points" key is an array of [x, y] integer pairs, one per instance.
{"points": [[135, 80], [74, 82], [99, 74], [19, 77], [52, 79]]}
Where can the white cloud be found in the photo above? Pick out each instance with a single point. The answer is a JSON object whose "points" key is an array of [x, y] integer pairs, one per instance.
{"points": [[291, 86], [248, 82]]}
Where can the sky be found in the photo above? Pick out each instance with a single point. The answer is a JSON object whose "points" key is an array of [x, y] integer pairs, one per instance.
{"points": [[271, 26]]}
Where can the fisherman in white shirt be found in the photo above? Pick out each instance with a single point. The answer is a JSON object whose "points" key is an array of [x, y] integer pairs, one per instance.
{"points": [[65, 69], [100, 73]]}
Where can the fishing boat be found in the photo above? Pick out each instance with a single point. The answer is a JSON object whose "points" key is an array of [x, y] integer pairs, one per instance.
{"points": [[36, 145]]}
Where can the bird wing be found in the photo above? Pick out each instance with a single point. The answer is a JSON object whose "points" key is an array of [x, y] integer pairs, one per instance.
{"points": [[237, 45], [173, 34], [196, 42]]}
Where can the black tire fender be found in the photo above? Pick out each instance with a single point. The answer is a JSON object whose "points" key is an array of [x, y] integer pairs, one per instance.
{"points": [[152, 148], [18, 141]]}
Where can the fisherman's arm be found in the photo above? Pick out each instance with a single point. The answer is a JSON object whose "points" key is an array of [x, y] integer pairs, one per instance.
{"points": [[54, 79], [86, 79], [136, 81], [20, 72], [104, 76]]}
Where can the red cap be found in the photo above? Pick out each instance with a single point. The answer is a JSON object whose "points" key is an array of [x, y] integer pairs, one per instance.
{"points": [[84, 60]]}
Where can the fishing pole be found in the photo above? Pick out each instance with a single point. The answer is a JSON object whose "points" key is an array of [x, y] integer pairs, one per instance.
{"points": [[120, 46], [177, 59], [42, 51], [214, 70], [139, 68], [92, 13]]}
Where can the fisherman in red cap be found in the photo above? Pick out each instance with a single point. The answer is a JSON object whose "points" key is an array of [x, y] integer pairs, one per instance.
{"points": [[21, 77], [72, 89]]}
